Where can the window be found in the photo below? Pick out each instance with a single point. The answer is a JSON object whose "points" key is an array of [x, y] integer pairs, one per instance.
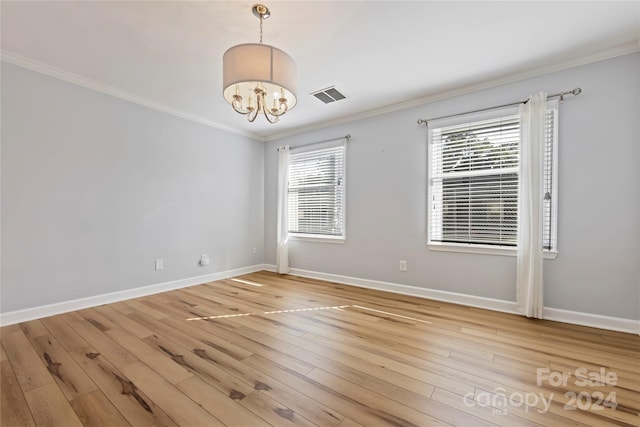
{"points": [[316, 191], [473, 176]]}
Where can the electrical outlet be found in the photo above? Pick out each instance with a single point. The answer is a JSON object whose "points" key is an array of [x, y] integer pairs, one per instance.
{"points": [[159, 264], [255, 250], [204, 260], [403, 265]]}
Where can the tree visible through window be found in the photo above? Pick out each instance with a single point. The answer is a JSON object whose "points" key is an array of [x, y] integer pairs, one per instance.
{"points": [[474, 183]]}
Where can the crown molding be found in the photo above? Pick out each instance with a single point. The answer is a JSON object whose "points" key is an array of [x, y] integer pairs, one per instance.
{"points": [[622, 50], [42, 68], [79, 80]]}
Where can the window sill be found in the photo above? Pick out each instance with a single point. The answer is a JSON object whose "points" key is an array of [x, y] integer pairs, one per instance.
{"points": [[483, 249], [317, 238]]}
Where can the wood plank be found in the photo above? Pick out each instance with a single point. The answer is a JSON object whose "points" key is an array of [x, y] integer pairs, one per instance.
{"points": [[33, 329], [179, 407], [227, 410], [393, 409], [187, 329], [253, 346], [27, 366], [349, 423], [50, 408], [365, 373], [66, 336], [14, 410], [432, 375], [139, 305], [274, 413], [236, 380], [124, 322], [72, 316], [123, 308], [485, 413], [94, 409], [124, 394], [155, 359], [104, 345], [97, 319], [68, 375], [207, 365], [113, 383], [9, 329], [347, 405]]}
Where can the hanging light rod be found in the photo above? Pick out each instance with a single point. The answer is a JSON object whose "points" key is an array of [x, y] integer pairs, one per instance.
{"points": [[561, 95], [347, 138], [258, 78]]}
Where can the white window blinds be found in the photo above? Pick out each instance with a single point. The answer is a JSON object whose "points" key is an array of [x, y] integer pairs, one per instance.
{"points": [[474, 182], [316, 190]]}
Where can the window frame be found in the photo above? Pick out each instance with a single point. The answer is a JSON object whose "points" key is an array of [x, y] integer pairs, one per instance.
{"points": [[490, 249], [323, 238]]}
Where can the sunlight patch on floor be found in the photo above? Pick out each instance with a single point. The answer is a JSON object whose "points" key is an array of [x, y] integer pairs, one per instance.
{"points": [[296, 310], [391, 314], [299, 310], [246, 282]]}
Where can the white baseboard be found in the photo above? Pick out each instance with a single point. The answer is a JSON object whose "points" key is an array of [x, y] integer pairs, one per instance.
{"points": [[78, 304], [434, 294], [555, 314], [593, 320]]}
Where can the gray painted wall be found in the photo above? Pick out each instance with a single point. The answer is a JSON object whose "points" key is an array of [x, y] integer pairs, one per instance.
{"points": [[596, 270], [95, 188]]}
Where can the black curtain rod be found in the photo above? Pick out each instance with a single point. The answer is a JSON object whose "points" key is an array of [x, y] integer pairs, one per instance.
{"points": [[560, 95], [347, 137]]}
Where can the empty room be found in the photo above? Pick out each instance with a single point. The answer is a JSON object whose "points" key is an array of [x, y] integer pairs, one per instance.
{"points": [[320, 213]]}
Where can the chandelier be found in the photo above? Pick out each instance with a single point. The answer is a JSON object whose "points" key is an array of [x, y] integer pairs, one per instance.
{"points": [[258, 78]]}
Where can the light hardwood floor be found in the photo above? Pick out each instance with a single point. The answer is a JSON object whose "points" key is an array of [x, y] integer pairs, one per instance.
{"points": [[301, 352]]}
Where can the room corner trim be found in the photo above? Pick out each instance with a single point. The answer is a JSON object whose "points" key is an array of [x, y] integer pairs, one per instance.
{"points": [[79, 80], [555, 314], [592, 320], [25, 315]]}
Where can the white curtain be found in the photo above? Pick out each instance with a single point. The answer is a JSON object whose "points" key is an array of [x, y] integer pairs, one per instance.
{"points": [[282, 251], [529, 285]]}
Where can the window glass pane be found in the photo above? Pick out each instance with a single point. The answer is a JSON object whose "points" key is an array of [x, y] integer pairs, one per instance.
{"points": [[316, 192], [481, 209], [474, 182]]}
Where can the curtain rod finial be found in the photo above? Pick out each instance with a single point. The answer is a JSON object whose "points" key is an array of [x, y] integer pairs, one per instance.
{"points": [[576, 91], [422, 122]]}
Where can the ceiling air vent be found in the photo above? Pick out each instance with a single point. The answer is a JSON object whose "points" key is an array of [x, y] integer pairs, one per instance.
{"points": [[329, 95]]}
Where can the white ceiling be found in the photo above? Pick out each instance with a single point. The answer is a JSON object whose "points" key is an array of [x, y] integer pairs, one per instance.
{"points": [[379, 53]]}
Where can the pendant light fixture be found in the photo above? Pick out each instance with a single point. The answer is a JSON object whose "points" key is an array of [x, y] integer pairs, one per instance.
{"points": [[258, 78]]}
